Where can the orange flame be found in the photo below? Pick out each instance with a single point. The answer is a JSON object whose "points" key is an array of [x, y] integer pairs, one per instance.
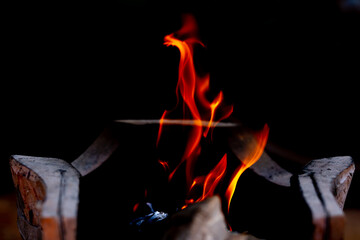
{"points": [[249, 160], [209, 182], [164, 164], [213, 178], [192, 89]]}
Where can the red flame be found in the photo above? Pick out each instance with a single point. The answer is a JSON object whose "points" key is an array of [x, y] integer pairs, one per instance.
{"points": [[192, 89], [136, 206], [210, 181], [164, 164]]}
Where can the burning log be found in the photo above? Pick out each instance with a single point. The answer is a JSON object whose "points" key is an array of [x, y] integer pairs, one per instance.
{"points": [[48, 190]]}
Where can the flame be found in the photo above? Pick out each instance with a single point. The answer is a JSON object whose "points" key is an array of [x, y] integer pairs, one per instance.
{"points": [[136, 205], [213, 107], [249, 160], [192, 89], [208, 182], [164, 164], [213, 178], [160, 127]]}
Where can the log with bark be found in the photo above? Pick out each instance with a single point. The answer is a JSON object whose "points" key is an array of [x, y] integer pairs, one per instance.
{"points": [[321, 188], [47, 197], [309, 201], [48, 189]]}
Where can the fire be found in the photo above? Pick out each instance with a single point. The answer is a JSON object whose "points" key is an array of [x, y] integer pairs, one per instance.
{"points": [[164, 164], [192, 91], [210, 181], [252, 157]]}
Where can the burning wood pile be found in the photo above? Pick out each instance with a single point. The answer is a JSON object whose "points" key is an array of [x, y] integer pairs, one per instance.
{"points": [[48, 199], [208, 198]]}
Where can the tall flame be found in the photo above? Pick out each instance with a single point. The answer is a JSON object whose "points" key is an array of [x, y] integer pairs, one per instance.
{"points": [[193, 89]]}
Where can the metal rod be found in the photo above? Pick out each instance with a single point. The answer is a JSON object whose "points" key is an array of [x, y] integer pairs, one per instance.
{"points": [[184, 122]]}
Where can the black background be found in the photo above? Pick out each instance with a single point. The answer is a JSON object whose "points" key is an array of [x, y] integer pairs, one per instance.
{"points": [[69, 68]]}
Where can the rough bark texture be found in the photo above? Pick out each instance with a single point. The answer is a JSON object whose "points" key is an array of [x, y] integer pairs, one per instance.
{"points": [[48, 189], [48, 193], [47, 197], [324, 185]]}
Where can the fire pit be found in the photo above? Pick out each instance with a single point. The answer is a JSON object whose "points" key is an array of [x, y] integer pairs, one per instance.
{"points": [[306, 205], [197, 188]]}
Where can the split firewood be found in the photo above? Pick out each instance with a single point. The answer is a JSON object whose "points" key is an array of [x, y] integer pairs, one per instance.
{"points": [[48, 190], [202, 220], [97, 153], [47, 197], [48, 193], [324, 185]]}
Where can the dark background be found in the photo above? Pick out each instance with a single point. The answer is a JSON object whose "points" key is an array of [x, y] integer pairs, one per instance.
{"points": [[69, 69]]}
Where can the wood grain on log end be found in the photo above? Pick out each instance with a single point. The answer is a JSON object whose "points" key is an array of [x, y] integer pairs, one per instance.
{"points": [[47, 197], [324, 184]]}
